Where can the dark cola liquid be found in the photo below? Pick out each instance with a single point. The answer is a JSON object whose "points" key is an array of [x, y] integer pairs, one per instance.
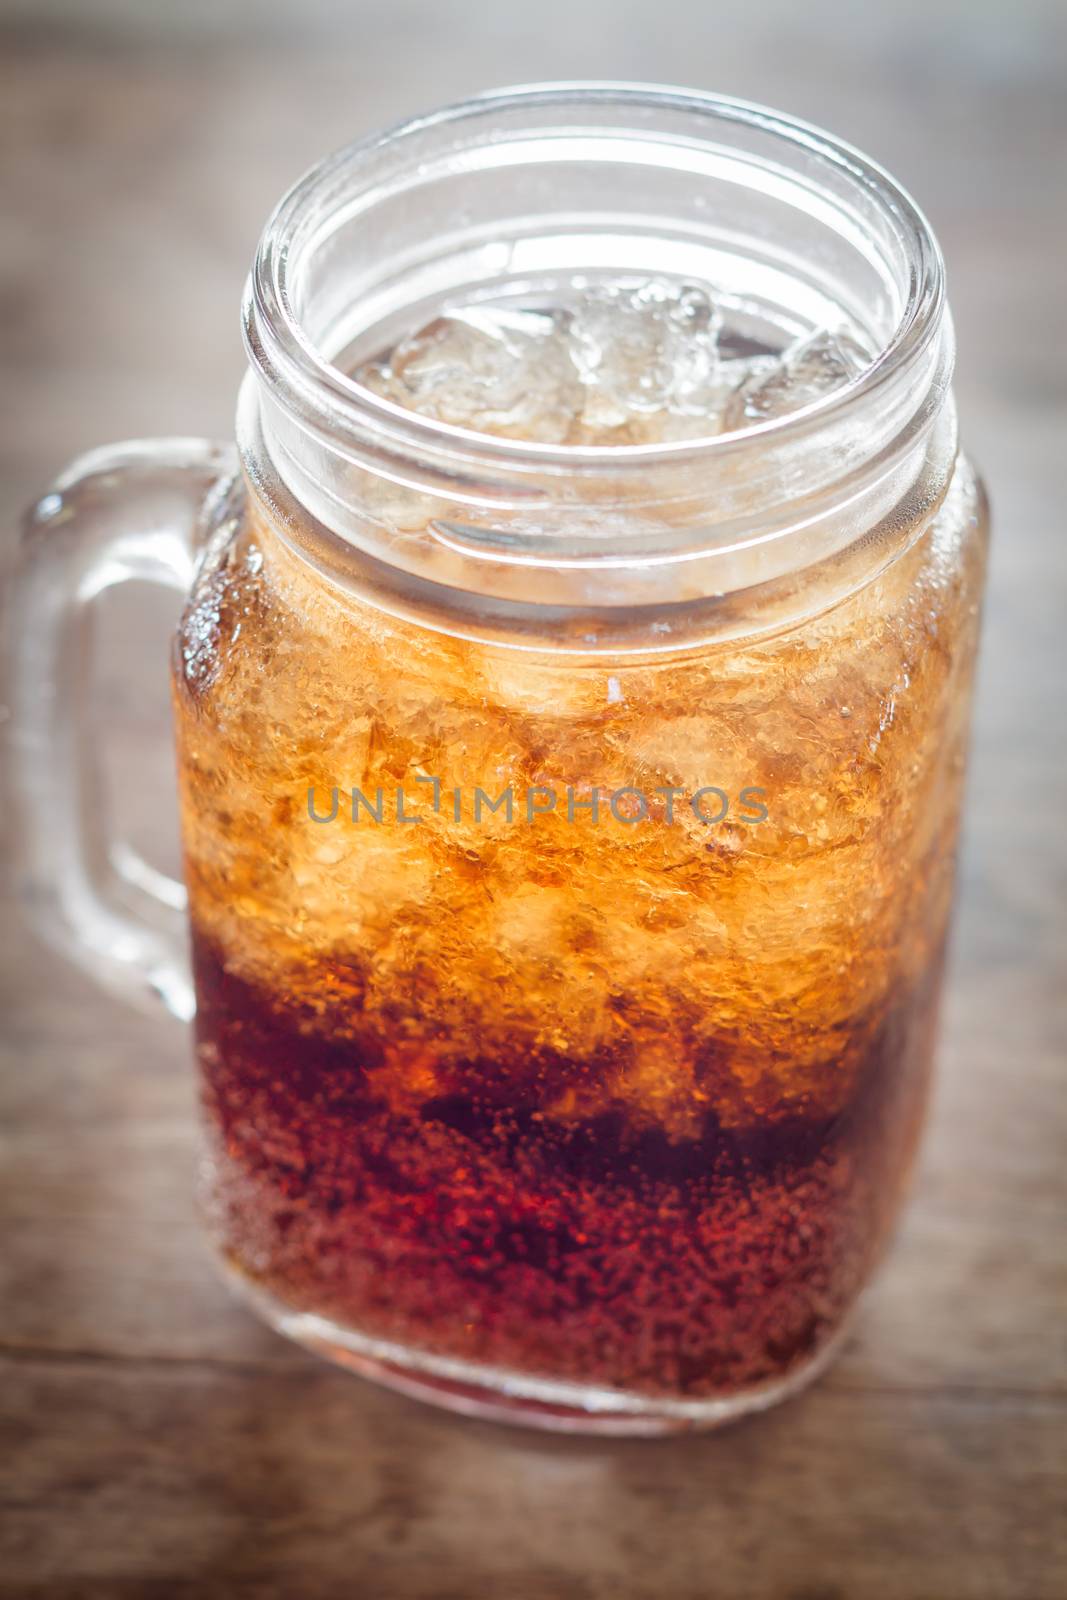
{"points": [[595, 1251]]}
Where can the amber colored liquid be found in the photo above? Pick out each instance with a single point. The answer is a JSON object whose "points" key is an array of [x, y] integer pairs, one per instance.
{"points": [[608, 1105]]}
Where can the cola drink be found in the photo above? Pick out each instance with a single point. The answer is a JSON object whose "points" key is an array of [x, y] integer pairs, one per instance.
{"points": [[615, 1100]]}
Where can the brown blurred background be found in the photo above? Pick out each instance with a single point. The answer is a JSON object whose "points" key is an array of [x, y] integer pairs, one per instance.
{"points": [[161, 1442]]}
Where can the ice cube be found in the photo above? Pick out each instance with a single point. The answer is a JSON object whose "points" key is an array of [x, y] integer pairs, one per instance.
{"points": [[809, 368], [492, 369], [644, 351]]}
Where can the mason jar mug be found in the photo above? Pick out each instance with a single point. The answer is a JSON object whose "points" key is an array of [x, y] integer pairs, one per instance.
{"points": [[571, 702]]}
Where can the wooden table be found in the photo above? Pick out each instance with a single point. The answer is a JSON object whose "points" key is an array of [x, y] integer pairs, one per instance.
{"points": [[160, 1442]]}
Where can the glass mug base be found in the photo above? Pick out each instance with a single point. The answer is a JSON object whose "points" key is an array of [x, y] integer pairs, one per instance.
{"points": [[472, 1389]]}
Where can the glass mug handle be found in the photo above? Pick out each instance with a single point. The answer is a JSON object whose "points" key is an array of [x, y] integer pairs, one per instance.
{"points": [[129, 511]]}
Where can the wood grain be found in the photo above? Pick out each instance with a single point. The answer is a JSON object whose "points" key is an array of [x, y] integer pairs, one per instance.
{"points": [[158, 1441]]}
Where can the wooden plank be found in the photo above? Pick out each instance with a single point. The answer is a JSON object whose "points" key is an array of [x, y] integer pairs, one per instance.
{"points": [[308, 1483]]}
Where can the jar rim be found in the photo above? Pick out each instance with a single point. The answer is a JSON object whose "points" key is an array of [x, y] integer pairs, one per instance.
{"points": [[338, 405]]}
